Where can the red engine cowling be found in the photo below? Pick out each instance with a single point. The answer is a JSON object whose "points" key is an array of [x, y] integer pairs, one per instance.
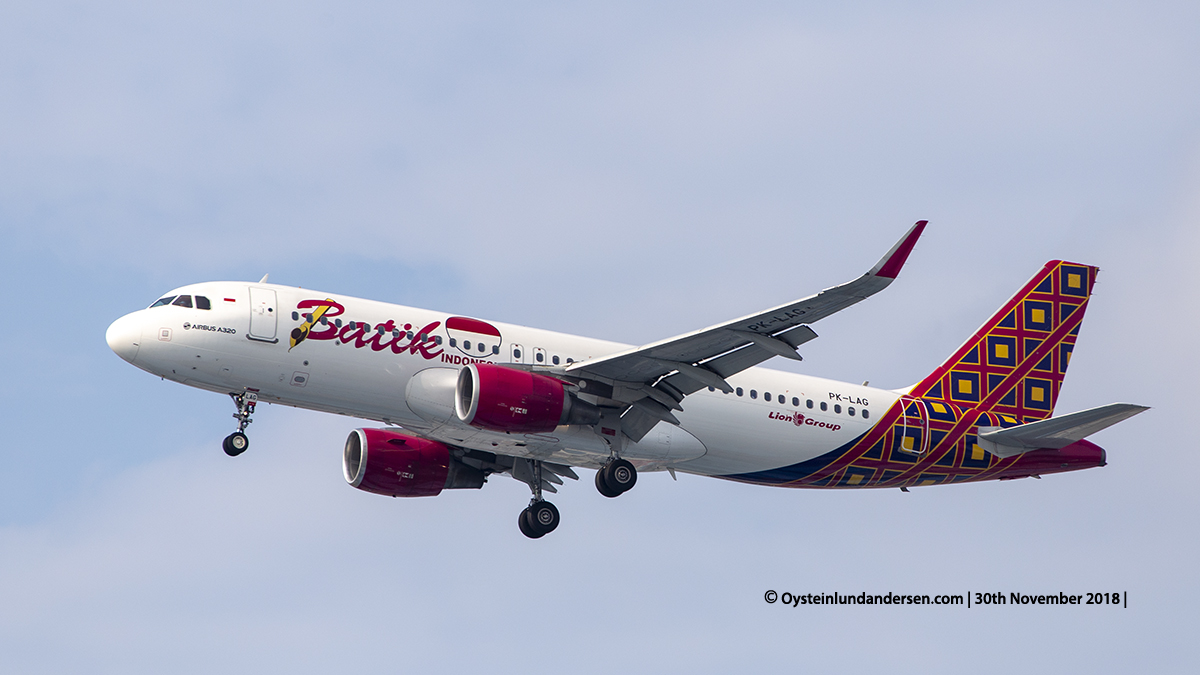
{"points": [[399, 465], [508, 399]]}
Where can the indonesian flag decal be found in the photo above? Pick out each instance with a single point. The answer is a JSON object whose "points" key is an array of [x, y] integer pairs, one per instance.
{"points": [[473, 337]]}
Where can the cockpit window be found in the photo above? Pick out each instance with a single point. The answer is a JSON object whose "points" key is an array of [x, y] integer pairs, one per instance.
{"points": [[183, 301], [203, 303], [164, 301]]}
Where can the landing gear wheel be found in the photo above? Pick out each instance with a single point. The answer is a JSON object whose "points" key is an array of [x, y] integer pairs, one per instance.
{"points": [[620, 475], [602, 485], [235, 444], [543, 516], [524, 522], [538, 519]]}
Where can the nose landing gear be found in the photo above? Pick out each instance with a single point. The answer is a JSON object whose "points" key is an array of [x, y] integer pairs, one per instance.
{"points": [[237, 442]]}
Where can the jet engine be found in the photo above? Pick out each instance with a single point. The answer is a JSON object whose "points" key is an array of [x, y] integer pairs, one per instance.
{"points": [[508, 399], [398, 465]]}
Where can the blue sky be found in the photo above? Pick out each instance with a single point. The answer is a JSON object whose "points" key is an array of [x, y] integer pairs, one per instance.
{"points": [[613, 169]]}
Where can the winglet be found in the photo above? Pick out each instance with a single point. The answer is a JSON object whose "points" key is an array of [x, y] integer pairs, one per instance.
{"points": [[889, 266]]}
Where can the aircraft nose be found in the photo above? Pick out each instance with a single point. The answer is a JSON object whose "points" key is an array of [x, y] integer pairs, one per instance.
{"points": [[124, 336]]}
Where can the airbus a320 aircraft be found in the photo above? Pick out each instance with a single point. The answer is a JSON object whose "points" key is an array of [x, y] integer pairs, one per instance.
{"points": [[465, 399]]}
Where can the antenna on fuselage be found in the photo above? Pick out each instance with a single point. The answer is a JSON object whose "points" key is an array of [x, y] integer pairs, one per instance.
{"points": [[264, 279]]}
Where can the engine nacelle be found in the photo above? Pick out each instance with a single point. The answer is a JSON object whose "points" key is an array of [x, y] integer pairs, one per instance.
{"points": [[398, 465], [508, 399]]}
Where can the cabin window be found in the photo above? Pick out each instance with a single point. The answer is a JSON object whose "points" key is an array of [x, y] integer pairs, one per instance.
{"points": [[866, 413], [482, 347], [796, 402], [540, 357], [516, 352], [337, 322], [824, 406], [850, 412], [739, 391], [809, 404], [837, 409], [437, 339], [163, 301], [554, 359], [711, 389], [571, 360], [466, 344], [753, 393], [496, 350], [183, 301], [202, 302], [295, 316], [453, 342]]}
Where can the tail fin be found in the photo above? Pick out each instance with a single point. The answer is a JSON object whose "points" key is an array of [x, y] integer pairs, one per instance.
{"points": [[1015, 363]]}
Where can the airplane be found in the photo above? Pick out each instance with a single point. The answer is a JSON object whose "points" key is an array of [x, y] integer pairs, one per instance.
{"points": [[464, 399]]}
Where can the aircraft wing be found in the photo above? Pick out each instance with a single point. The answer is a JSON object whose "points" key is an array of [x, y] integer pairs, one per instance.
{"points": [[654, 378], [1055, 432]]}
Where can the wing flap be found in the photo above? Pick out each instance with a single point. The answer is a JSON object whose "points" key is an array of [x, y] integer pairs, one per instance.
{"points": [[1055, 432]]}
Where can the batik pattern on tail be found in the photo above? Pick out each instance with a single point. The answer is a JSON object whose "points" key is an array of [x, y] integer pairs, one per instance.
{"points": [[1010, 371], [1015, 363]]}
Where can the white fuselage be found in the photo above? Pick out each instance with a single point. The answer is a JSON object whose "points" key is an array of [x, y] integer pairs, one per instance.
{"points": [[245, 342]]}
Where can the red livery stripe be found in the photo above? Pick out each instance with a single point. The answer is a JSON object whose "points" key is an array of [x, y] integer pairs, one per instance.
{"points": [[471, 326]]}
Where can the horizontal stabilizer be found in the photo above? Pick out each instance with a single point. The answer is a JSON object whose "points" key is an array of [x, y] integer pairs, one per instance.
{"points": [[1055, 432]]}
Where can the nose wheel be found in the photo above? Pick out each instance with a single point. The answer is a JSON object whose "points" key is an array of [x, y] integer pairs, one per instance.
{"points": [[237, 442], [616, 478]]}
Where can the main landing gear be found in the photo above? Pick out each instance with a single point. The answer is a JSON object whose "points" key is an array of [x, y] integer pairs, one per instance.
{"points": [[540, 517], [616, 477], [236, 443]]}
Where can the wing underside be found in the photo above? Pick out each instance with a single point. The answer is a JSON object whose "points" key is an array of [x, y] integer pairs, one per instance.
{"points": [[642, 386]]}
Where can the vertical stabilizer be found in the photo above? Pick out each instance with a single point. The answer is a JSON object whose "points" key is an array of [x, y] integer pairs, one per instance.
{"points": [[1015, 363]]}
